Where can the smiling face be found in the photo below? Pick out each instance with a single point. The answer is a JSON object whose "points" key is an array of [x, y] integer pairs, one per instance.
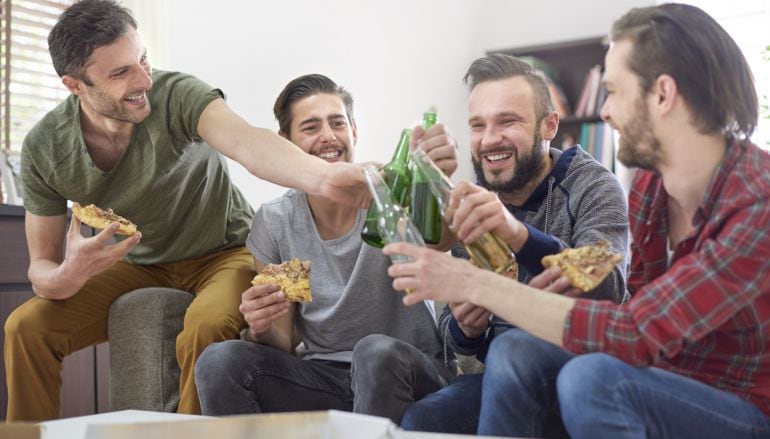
{"points": [[626, 109], [507, 145], [320, 127], [117, 80]]}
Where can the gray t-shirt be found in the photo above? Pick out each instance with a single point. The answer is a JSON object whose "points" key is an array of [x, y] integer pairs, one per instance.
{"points": [[352, 293]]}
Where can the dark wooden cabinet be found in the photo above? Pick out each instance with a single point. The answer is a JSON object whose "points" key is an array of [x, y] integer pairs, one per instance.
{"points": [[570, 62], [85, 373]]}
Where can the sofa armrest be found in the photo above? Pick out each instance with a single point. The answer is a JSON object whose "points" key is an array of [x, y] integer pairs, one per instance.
{"points": [[142, 328]]}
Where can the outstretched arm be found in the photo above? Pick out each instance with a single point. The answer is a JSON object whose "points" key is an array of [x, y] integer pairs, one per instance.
{"points": [[273, 158]]}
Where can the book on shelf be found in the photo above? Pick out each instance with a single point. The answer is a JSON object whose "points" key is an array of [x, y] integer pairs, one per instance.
{"points": [[597, 139], [589, 95]]}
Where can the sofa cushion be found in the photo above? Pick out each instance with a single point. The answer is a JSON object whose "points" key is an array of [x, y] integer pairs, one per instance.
{"points": [[142, 328]]}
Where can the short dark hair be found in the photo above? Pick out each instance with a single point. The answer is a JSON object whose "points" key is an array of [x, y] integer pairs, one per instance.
{"points": [[710, 71], [83, 27], [305, 86], [499, 66]]}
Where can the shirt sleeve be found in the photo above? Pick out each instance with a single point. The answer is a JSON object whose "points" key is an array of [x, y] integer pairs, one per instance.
{"points": [[187, 97], [261, 242], [699, 293], [40, 197]]}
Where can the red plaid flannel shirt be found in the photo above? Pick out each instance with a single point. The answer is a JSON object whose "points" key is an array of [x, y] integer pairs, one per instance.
{"points": [[706, 315]]}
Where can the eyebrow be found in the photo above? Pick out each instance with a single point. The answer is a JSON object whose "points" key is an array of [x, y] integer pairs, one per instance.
{"points": [[144, 54], [316, 119], [498, 115]]}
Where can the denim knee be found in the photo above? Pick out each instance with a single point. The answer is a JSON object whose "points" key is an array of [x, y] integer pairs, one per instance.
{"points": [[583, 375], [222, 363], [378, 352], [515, 352]]}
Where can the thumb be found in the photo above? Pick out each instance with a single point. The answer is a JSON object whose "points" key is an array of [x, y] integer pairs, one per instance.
{"points": [[74, 228]]}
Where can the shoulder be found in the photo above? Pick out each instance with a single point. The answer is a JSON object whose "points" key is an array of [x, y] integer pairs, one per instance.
{"points": [[179, 86], [56, 135], [585, 174], [284, 206]]}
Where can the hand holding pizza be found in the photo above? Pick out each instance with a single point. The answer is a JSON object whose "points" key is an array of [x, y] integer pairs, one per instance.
{"points": [[86, 257], [261, 305], [551, 279], [474, 211]]}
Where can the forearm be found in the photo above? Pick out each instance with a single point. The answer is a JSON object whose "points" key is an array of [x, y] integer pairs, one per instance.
{"points": [[540, 313], [51, 280], [274, 337], [269, 156]]}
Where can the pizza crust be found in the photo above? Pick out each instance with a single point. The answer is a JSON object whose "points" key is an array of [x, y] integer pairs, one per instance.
{"points": [[100, 218], [292, 277], [586, 267]]}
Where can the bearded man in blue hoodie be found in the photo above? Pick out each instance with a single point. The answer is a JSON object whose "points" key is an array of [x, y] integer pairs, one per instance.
{"points": [[547, 198]]}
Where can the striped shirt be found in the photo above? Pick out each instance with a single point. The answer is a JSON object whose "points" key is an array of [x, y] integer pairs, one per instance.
{"points": [[706, 313]]}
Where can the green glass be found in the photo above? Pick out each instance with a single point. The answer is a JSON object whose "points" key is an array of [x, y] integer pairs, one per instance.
{"points": [[424, 208], [392, 220], [397, 178], [489, 251]]}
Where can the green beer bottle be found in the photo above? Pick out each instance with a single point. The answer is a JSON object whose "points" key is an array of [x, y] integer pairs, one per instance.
{"points": [[423, 205], [489, 251], [397, 178]]}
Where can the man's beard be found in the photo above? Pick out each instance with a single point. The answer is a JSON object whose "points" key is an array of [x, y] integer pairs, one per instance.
{"points": [[526, 168], [108, 107], [639, 132]]}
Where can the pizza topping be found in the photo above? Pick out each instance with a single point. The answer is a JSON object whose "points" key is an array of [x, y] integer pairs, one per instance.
{"points": [[586, 267], [292, 277], [96, 217]]}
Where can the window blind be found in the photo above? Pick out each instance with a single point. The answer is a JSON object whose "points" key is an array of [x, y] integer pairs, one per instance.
{"points": [[30, 85]]}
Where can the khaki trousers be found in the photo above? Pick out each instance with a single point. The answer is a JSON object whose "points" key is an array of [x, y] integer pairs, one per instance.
{"points": [[41, 332]]}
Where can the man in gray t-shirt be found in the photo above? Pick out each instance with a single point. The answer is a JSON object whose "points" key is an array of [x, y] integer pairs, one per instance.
{"points": [[363, 350]]}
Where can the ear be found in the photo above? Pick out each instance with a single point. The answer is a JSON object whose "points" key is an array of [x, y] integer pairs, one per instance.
{"points": [[74, 85], [549, 125], [665, 92], [355, 133], [282, 134]]}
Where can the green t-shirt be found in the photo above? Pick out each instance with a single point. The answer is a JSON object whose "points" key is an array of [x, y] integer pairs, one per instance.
{"points": [[174, 186]]}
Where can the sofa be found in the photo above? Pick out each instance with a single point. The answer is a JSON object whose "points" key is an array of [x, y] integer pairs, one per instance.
{"points": [[142, 328]]}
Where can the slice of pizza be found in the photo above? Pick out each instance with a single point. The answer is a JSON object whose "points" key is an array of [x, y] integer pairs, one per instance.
{"points": [[101, 218], [586, 267], [292, 277]]}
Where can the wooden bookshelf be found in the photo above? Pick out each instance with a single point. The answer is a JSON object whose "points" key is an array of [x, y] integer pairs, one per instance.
{"points": [[571, 61]]}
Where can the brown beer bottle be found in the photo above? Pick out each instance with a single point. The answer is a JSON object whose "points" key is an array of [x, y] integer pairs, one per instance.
{"points": [[489, 251], [397, 178], [423, 205]]}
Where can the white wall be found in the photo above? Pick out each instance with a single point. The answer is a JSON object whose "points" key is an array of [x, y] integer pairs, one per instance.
{"points": [[397, 57]]}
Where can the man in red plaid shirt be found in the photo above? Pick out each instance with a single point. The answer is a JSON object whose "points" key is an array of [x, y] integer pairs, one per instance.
{"points": [[689, 354]]}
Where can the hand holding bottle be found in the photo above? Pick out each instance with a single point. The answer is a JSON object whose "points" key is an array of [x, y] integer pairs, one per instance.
{"points": [[487, 251], [439, 144], [474, 211]]}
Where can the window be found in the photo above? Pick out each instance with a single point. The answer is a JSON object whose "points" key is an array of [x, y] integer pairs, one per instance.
{"points": [[30, 85], [746, 21]]}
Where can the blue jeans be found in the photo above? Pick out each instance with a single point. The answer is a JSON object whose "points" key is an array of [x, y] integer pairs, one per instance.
{"points": [[597, 396], [453, 409], [385, 377], [601, 396], [519, 387]]}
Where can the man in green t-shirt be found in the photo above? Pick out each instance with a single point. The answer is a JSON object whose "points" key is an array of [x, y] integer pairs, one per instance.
{"points": [[163, 170]]}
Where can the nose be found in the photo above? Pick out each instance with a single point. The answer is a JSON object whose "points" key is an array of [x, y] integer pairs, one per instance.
{"points": [[327, 134], [604, 113], [490, 137], [143, 79]]}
